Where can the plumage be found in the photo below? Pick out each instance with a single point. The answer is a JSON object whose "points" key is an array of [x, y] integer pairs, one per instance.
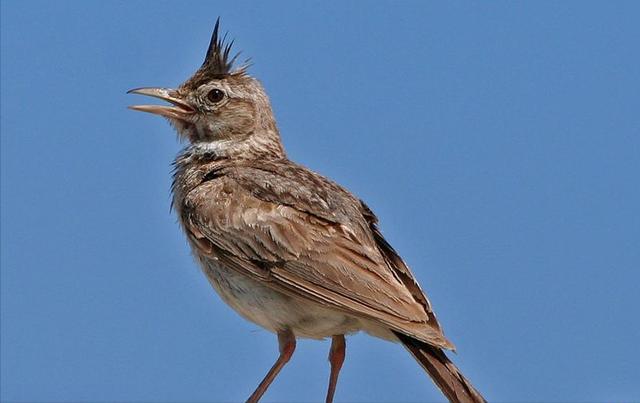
{"points": [[309, 236], [285, 247]]}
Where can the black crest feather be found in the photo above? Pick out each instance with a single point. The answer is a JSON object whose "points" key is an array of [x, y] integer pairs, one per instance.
{"points": [[218, 62]]}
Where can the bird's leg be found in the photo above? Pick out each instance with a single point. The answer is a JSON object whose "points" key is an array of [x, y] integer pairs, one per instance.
{"points": [[287, 343], [336, 358]]}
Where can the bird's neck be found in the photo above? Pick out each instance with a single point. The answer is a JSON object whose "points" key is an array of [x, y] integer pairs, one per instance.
{"points": [[249, 148], [265, 146]]}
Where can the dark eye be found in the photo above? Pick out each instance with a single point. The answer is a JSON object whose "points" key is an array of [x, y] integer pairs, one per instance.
{"points": [[215, 95]]}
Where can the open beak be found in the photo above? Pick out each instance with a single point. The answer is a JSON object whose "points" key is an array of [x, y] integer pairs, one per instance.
{"points": [[179, 109]]}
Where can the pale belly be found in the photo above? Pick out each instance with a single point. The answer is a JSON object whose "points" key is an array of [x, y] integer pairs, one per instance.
{"points": [[274, 310]]}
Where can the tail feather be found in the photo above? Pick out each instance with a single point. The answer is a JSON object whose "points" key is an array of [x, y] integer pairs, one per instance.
{"points": [[443, 372]]}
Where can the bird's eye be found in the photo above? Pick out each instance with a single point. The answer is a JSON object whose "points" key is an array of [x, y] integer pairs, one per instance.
{"points": [[215, 95]]}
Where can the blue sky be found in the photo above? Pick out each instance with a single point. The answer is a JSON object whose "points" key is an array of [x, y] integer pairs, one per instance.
{"points": [[499, 143]]}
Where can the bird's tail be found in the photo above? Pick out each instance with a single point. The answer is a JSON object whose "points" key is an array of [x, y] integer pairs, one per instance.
{"points": [[443, 372]]}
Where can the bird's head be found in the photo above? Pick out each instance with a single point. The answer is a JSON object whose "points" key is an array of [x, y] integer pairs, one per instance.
{"points": [[220, 106]]}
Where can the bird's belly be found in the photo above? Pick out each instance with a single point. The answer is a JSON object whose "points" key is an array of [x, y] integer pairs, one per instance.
{"points": [[274, 310]]}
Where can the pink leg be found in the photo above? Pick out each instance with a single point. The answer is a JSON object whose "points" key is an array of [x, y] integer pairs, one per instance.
{"points": [[336, 358], [287, 343]]}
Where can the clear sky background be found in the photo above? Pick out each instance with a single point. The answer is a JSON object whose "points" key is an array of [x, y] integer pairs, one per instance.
{"points": [[498, 143]]}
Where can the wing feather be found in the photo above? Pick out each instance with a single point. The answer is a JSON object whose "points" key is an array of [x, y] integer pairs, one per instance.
{"points": [[332, 257]]}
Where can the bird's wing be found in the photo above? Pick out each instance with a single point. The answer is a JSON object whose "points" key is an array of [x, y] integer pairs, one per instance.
{"points": [[397, 264], [304, 235]]}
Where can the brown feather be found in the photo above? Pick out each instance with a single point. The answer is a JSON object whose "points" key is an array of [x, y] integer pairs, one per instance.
{"points": [[442, 371], [316, 240]]}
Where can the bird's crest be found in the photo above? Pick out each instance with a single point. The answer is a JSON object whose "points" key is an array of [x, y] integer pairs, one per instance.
{"points": [[218, 62]]}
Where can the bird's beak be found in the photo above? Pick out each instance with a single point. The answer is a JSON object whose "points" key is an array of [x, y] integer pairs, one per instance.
{"points": [[179, 109]]}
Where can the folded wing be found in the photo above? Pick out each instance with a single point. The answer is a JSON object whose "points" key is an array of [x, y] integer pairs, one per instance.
{"points": [[306, 236]]}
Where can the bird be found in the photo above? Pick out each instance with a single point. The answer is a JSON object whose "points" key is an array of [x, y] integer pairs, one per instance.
{"points": [[285, 247]]}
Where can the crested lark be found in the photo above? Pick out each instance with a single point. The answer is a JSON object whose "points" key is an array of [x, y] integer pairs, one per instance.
{"points": [[285, 247]]}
